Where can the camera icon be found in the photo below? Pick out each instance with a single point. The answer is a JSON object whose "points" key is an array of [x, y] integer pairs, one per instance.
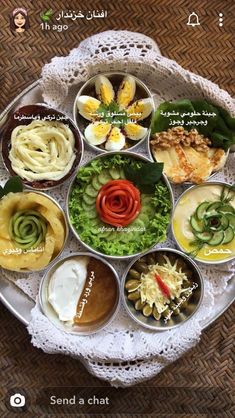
{"points": [[17, 400]]}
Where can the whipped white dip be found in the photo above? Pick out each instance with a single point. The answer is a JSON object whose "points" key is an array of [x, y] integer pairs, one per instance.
{"points": [[66, 286]]}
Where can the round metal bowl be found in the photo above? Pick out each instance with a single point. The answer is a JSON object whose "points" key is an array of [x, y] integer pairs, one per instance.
{"points": [[209, 184], [105, 155], [65, 227], [115, 78], [51, 314], [186, 183], [175, 321], [24, 116]]}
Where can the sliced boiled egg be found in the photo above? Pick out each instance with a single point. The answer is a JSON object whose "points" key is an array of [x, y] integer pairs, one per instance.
{"points": [[116, 140], [126, 91], [135, 131], [140, 109], [87, 107], [104, 89], [96, 133]]}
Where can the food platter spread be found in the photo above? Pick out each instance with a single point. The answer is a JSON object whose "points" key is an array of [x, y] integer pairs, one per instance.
{"points": [[119, 205]]}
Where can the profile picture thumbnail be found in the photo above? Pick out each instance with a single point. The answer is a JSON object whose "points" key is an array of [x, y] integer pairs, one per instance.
{"points": [[19, 20]]}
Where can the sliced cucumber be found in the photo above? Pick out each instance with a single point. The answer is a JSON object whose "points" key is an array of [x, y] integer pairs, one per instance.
{"points": [[198, 226], [148, 210], [89, 199], [204, 236], [95, 230], [226, 209], [213, 206], [122, 174], [228, 235], [114, 173], [95, 183], [201, 209], [126, 236], [104, 177], [144, 217], [86, 206], [146, 199], [92, 214], [90, 191], [224, 222], [115, 236], [138, 223], [106, 234], [231, 219], [96, 222], [217, 238]]}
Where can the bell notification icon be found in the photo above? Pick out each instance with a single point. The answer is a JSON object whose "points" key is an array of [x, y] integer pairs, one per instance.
{"points": [[193, 20]]}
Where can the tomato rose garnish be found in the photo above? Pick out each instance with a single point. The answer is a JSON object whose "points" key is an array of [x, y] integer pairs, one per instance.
{"points": [[118, 203]]}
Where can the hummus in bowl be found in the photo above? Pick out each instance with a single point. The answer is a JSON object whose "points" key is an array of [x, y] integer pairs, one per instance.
{"points": [[203, 222]]}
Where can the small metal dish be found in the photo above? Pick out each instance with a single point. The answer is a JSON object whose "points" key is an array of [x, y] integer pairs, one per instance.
{"points": [[68, 327], [102, 156], [175, 320], [88, 89], [66, 228], [189, 190], [24, 116]]}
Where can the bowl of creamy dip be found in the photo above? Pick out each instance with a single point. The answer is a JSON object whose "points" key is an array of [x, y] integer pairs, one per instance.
{"points": [[80, 293], [203, 222], [42, 146]]}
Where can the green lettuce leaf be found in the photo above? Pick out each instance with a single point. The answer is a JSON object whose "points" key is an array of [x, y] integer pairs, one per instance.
{"points": [[219, 128]]}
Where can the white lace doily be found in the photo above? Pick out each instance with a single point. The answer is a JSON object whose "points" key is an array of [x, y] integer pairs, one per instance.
{"points": [[124, 353]]}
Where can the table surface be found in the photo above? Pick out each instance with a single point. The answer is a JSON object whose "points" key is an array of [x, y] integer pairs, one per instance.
{"points": [[206, 50]]}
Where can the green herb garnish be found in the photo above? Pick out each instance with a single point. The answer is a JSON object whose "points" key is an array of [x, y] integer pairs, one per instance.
{"points": [[145, 177], [198, 245], [226, 195], [111, 113], [13, 185], [209, 120]]}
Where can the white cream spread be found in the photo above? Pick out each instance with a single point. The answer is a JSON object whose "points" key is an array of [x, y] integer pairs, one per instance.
{"points": [[42, 150], [66, 286]]}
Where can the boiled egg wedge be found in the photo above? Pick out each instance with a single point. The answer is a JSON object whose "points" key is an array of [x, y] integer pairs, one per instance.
{"points": [[96, 133], [134, 131], [126, 92], [140, 109], [116, 140], [104, 89], [88, 106]]}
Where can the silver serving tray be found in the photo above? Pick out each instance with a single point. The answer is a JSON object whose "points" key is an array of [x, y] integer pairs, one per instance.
{"points": [[18, 302]]}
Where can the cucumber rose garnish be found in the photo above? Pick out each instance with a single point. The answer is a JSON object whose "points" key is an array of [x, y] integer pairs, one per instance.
{"points": [[118, 203], [32, 228], [27, 229]]}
